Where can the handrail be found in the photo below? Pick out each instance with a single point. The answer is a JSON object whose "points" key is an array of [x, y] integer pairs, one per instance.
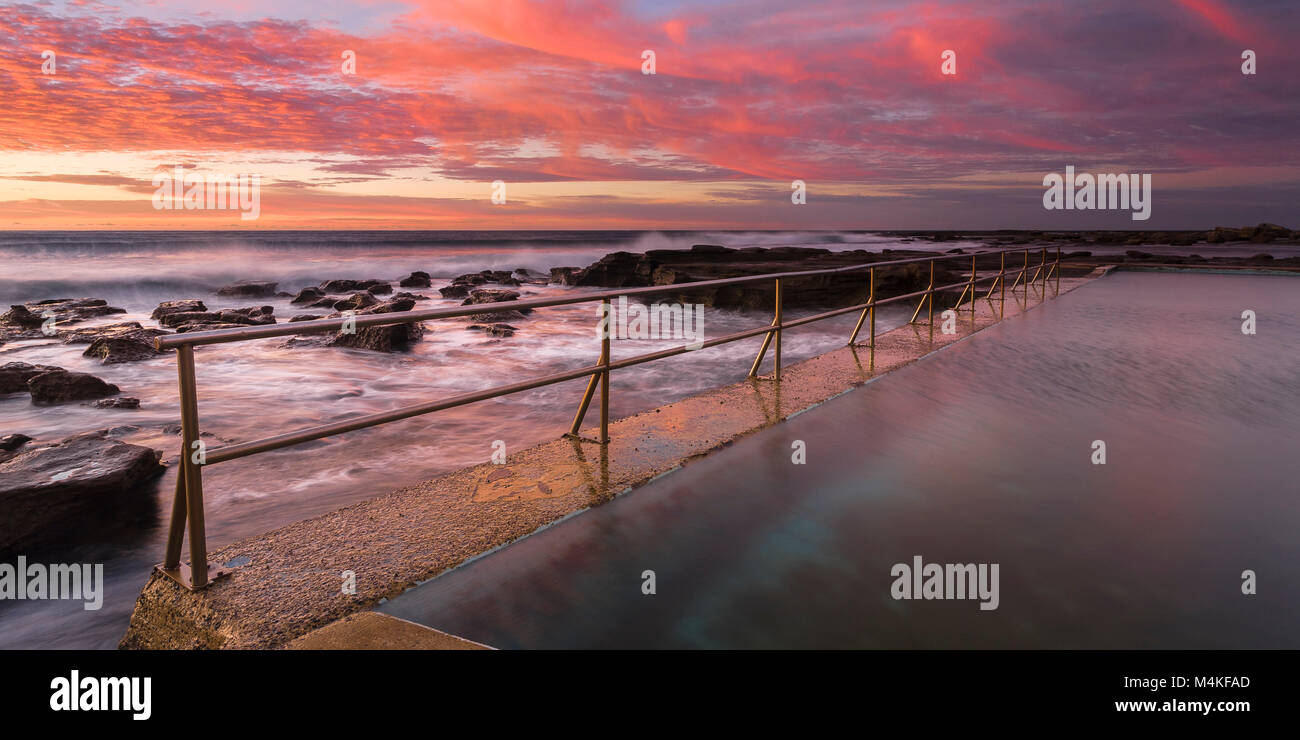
{"points": [[188, 503]]}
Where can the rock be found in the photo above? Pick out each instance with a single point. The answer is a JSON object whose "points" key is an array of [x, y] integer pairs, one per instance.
{"points": [[186, 321], [509, 281], [183, 318], [473, 278], [497, 316], [251, 316], [65, 310], [566, 275], [306, 317], [454, 291], [356, 302], [249, 289], [382, 289], [59, 386], [491, 295], [113, 350], [14, 375], [21, 317], [496, 330], [122, 402], [47, 492], [415, 280], [412, 296], [308, 295], [382, 338], [525, 275], [349, 286], [189, 305], [126, 329], [11, 442]]}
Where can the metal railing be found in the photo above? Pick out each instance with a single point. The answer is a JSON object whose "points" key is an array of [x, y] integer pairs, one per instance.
{"points": [[187, 506]]}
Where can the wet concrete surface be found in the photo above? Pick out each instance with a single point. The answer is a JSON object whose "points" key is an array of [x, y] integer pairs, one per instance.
{"points": [[291, 580]]}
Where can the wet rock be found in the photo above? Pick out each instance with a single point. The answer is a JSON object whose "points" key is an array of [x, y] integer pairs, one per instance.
{"points": [[454, 291], [249, 289], [349, 286], [390, 338], [566, 275], [186, 321], [306, 317], [493, 295], [525, 275], [206, 326], [65, 310], [382, 289], [251, 316], [14, 375], [415, 280], [11, 442], [412, 296], [114, 350], [122, 402], [190, 305], [308, 295], [47, 491], [60, 386], [356, 302], [496, 330], [86, 335]]}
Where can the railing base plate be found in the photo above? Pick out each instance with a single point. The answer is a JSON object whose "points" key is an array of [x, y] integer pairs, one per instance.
{"points": [[185, 577]]}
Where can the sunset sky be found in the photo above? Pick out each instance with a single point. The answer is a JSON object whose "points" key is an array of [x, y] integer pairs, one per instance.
{"points": [[550, 98]]}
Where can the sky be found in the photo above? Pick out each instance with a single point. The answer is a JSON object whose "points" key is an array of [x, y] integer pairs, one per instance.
{"points": [[550, 101]]}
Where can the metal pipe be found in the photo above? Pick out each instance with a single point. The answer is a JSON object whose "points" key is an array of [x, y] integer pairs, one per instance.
{"points": [[871, 298], [192, 470], [604, 376], [930, 294], [777, 374]]}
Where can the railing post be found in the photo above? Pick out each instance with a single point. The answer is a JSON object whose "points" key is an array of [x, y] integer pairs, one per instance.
{"points": [[604, 376], [871, 298], [192, 470], [929, 293], [777, 374], [972, 285]]}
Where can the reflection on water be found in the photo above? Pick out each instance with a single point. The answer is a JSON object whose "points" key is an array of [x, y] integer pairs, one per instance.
{"points": [[979, 454]]}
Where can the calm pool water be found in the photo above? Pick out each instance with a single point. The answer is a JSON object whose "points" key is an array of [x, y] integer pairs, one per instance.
{"points": [[981, 453]]}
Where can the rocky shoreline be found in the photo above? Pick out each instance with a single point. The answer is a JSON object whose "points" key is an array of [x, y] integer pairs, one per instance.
{"points": [[35, 489]]}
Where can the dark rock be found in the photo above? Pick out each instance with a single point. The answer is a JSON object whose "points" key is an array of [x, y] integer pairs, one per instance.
{"points": [[59, 386], [382, 338], [349, 286], [65, 311], [566, 275], [14, 375], [47, 491], [356, 302], [496, 330], [412, 296], [113, 350], [306, 317], [122, 402], [308, 295], [249, 289], [190, 305], [251, 316], [489, 295], [382, 289], [455, 291], [497, 316], [415, 280], [11, 442], [473, 278], [126, 329]]}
